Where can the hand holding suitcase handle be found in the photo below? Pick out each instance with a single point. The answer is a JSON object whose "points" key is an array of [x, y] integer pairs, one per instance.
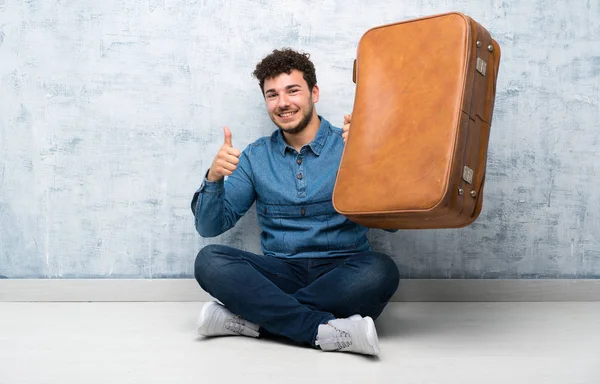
{"points": [[225, 161], [346, 128]]}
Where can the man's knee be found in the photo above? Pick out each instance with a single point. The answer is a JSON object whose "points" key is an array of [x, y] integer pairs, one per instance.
{"points": [[208, 262], [382, 274]]}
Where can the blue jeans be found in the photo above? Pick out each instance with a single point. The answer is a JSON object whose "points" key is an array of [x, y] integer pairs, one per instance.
{"points": [[292, 297]]}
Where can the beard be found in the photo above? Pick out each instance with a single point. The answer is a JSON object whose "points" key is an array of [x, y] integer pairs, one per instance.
{"points": [[302, 124]]}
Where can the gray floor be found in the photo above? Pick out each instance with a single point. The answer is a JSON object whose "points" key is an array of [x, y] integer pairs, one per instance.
{"points": [[420, 343]]}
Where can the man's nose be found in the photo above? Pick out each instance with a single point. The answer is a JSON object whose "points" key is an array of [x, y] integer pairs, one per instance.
{"points": [[284, 101]]}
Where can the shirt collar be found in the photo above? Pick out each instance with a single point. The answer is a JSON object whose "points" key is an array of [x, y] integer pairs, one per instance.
{"points": [[316, 145]]}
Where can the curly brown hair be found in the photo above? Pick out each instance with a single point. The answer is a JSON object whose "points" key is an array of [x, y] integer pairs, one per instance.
{"points": [[284, 61]]}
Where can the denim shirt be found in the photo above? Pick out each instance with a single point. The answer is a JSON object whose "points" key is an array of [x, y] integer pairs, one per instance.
{"points": [[293, 198]]}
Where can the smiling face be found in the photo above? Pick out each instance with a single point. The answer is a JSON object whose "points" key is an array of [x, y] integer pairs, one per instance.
{"points": [[290, 102]]}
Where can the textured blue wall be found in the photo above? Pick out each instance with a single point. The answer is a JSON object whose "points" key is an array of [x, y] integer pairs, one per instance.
{"points": [[111, 111]]}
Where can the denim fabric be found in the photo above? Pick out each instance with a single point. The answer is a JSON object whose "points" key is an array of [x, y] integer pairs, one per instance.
{"points": [[293, 194], [290, 297]]}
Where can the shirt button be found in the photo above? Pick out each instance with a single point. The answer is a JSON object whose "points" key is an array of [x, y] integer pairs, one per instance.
{"points": [[299, 176], [302, 212], [299, 161]]}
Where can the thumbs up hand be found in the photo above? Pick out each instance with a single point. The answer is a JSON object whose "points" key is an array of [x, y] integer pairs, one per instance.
{"points": [[226, 160]]}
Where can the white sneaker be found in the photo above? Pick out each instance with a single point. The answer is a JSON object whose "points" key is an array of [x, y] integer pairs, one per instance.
{"points": [[216, 320], [353, 334]]}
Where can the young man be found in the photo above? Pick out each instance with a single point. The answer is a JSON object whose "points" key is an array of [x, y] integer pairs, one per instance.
{"points": [[318, 282]]}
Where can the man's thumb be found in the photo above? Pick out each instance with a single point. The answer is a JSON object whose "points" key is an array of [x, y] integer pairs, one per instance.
{"points": [[227, 136]]}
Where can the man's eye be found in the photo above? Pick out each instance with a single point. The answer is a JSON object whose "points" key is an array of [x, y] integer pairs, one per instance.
{"points": [[293, 91], [271, 96]]}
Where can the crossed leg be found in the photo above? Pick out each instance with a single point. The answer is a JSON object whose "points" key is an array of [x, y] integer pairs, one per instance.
{"points": [[268, 291]]}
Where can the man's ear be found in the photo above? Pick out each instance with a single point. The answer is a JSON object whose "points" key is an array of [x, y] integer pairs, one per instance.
{"points": [[315, 93]]}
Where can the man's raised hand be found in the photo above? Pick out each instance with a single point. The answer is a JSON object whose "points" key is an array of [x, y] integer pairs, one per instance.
{"points": [[346, 128], [225, 162]]}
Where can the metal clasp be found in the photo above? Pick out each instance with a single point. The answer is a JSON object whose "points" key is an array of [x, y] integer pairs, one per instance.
{"points": [[468, 175], [481, 66]]}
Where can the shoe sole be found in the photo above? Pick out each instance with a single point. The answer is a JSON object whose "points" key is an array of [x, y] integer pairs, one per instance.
{"points": [[372, 335]]}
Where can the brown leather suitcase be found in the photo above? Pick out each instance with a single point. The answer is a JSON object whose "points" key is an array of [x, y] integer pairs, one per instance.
{"points": [[416, 152]]}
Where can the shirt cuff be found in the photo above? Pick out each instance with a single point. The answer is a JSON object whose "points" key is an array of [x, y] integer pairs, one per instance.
{"points": [[211, 186]]}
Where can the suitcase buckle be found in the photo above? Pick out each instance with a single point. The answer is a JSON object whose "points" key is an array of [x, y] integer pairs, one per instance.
{"points": [[468, 175], [481, 66]]}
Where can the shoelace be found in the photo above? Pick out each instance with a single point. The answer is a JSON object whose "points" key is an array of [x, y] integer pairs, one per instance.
{"points": [[235, 324], [340, 338]]}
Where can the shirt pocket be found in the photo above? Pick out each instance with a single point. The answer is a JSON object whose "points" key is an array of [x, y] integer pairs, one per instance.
{"points": [[295, 228], [342, 234]]}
